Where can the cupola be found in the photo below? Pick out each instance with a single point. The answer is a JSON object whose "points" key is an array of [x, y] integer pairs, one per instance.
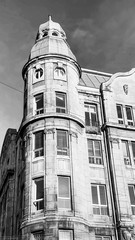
{"points": [[51, 39]]}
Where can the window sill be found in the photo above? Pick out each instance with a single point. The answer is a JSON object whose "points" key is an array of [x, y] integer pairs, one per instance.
{"points": [[96, 165]]}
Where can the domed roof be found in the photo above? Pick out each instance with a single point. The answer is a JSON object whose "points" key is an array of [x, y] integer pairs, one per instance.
{"points": [[51, 39]]}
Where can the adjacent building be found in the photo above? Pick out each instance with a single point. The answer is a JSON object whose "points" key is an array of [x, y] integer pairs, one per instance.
{"points": [[69, 171]]}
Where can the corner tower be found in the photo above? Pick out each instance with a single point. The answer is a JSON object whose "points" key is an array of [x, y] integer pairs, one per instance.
{"points": [[53, 186]]}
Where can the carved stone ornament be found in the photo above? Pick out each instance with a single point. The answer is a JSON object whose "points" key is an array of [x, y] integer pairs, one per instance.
{"points": [[125, 88], [128, 234]]}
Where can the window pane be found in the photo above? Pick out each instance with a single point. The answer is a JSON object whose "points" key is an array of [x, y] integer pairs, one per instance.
{"points": [[39, 140], [119, 111], [132, 194], [61, 139], [102, 195], [97, 148], [39, 189], [125, 148], [39, 101], [133, 148], [128, 112], [93, 119], [94, 195], [64, 189], [90, 148], [60, 100], [87, 119]]}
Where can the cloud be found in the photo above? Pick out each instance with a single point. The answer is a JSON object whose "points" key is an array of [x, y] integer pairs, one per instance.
{"points": [[107, 42]]}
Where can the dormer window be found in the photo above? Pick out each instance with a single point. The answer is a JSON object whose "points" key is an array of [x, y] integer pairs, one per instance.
{"points": [[54, 34], [45, 33]]}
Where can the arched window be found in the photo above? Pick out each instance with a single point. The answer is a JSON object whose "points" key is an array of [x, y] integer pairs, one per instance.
{"points": [[60, 73], [38, 72]]}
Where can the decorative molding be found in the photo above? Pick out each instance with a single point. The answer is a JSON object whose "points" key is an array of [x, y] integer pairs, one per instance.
{"points": [[125, 88], [49, 131]]}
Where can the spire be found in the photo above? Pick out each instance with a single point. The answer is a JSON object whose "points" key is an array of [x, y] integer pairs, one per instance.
{"points": [[49, 17]]}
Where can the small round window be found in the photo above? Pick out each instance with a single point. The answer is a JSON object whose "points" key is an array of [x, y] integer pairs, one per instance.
{"points": [[45, 33], [38, 72]]}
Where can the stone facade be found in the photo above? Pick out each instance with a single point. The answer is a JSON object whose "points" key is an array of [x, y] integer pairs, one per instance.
{"points": [[74, 154]]}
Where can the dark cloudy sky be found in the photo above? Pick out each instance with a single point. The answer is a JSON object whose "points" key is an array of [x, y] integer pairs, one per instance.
{"points": [[101, 33]]}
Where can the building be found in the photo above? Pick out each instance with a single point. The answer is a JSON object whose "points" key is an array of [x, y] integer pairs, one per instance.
{"points": [[73, 158]]}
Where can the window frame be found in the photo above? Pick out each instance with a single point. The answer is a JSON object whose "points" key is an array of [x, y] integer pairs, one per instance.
{"points": [[37, 201], [99, 208], [88, 119], [100, 237], [60, 109], [39, 110], [94, 158], [67, 230], [64, 151], [127, 158], [62, 199], [39, 150], [132, 205], [120, 120], [130, 122]]}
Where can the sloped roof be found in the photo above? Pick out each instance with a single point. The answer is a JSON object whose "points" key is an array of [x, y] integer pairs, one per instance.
{"points": [[93, 79]]}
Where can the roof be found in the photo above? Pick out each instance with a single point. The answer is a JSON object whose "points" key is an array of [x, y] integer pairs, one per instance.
{"points": [[93, 79]]}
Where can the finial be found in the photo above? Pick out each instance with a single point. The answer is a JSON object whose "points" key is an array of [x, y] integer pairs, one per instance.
{"points": [[49, 17]]}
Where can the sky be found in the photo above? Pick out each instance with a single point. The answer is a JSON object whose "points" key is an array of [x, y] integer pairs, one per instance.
{"points": [[101, 34]]}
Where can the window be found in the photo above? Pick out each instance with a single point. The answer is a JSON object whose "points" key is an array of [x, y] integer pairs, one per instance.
{"points": [[39, 103], [59, 72], [91, 115], [126, 154], [103, 238], [39, 144], [131, 189], [99, 199], [38, 235], [94, 151], [120, 114], [60, 102], [39, 193], [65, 234], [129, 115], [62, 142], [38, 73], [133, 150], [64, 192]]}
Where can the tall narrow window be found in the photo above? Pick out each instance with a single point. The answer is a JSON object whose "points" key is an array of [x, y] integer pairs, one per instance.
{"points": [[133, 150], [65, 234], [91, 118], [131, 189], [99, 199], [94, 151], [129, 115], [120, 114], [125, 149], [39, 144], [62, 142], [39, 193], [39, 103], [60, 102], [64, 192]]}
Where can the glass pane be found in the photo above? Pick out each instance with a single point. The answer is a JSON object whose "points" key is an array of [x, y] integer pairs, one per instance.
{"points": [[93, 119], [94, 195], [125, 148], [39, 101], [97, 148], [119, 111], [61, 139], [60, 100], [39, 140], [39, 189], [132, 194], [64, 189], [128, 112], [133, 148], [87, 119], [102, 195], [90, 148]]}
